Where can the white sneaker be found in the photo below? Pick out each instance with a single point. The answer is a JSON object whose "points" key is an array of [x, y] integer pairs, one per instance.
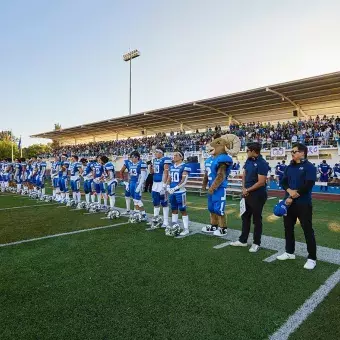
{"points": [[254, 248], [126, 213], [184, 232], [238, 244], [220, 232], [310, 264], [286, 256]]}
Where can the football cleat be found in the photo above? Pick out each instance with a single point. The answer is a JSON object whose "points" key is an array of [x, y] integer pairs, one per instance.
{"points": [[220, 232], [209, 229]]}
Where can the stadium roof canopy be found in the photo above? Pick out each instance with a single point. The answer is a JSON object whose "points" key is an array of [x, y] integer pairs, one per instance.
{"points": [[309, 97]]}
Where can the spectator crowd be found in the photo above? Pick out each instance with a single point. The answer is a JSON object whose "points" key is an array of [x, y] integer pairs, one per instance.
{"points": [[323, 131]]}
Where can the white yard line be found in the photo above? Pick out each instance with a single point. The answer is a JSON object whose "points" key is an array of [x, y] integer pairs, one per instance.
{"points": [[27, 206], [61, 234], [295, 320]]}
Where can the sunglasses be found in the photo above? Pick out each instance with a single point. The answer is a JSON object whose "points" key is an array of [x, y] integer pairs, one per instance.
{"points": [[294, 152]]}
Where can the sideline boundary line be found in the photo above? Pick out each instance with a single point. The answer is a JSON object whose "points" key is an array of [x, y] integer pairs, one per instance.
{"points": [[61, 234]]}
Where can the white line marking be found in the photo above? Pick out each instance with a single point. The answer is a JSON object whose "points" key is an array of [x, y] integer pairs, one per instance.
{"points": [[62, 234], [272, 258], [272, 198], [295, 320], [222, 245], [28, 206]]}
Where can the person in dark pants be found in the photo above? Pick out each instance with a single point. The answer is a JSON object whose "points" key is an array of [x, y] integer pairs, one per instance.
{"points": [[298, 181], [149, 179], [255, 193]]}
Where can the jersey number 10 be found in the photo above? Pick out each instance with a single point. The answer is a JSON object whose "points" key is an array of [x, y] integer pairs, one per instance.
{"points": [[175, 177]]}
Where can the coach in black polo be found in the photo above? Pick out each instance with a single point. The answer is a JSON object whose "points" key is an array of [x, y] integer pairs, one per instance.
{"points": [[255, 193], [298, 181]]}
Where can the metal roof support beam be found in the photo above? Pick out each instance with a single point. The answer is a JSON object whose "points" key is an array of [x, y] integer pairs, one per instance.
{"points": [[217, 110], [170, 119], [283, 97]]}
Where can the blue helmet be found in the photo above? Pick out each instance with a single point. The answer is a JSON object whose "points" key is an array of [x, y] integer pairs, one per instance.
{"points": [[280, 209]]}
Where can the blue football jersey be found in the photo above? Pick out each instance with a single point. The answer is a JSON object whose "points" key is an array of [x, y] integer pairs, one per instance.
{"points": [[98, 170], [42, 168], [158, 168], [136, 170], [74, 168], [109, 171], [207, 168], [217, 161], [176, 174]]}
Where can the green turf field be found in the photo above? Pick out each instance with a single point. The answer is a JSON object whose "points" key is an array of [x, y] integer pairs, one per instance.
{"points": [[125, 283]]}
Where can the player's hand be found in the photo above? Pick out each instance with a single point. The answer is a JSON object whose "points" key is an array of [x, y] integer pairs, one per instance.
{"points": [[127, 187], [289, 201], [138, 189], [171, 191], [211, 191], [245, 192]]}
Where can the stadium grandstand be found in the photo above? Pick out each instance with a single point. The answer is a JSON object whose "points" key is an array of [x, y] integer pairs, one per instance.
{"points": [[301, 100]]}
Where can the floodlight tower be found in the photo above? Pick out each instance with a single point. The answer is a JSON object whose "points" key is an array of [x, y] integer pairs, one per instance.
{"points": [[128, 57]]}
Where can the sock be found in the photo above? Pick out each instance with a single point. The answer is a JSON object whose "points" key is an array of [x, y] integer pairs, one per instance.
{"points": [[112, 201], [105, 200], [174, 218], [100, 199], [156, 211], [78, 197], [43, 191], [185, 220], [67, 195], [166, 215], [18, 187], [53, 192], [62, 195], [128, 203], [74, 195], [87, 198], [93, 198]]}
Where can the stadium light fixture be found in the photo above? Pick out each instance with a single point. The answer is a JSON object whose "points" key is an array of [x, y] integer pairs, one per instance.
{"points": [[128, 58]]}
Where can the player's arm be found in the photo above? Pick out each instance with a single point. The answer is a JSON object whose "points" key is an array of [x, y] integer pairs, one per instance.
{"points": [[16, 172], [183, 182], [151, 169], [121, 172], [220, 176], [165, 173], [205, 180]]}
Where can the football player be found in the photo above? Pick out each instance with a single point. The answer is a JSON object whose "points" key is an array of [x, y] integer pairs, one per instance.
{"points": [[98, 181], [75, 172], [41, 174], [177, 179], [207, 181], [127, 194], [88, 180], [55, 168], [110, 179], [18, 173], [63, 178], [137, 174], [160, 172]]}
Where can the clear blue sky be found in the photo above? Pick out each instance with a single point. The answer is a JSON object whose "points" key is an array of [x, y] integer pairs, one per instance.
{"points": [[61, 61]]}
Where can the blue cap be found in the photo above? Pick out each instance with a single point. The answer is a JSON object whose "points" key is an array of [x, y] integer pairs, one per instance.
{"points": [[280, 209]]}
